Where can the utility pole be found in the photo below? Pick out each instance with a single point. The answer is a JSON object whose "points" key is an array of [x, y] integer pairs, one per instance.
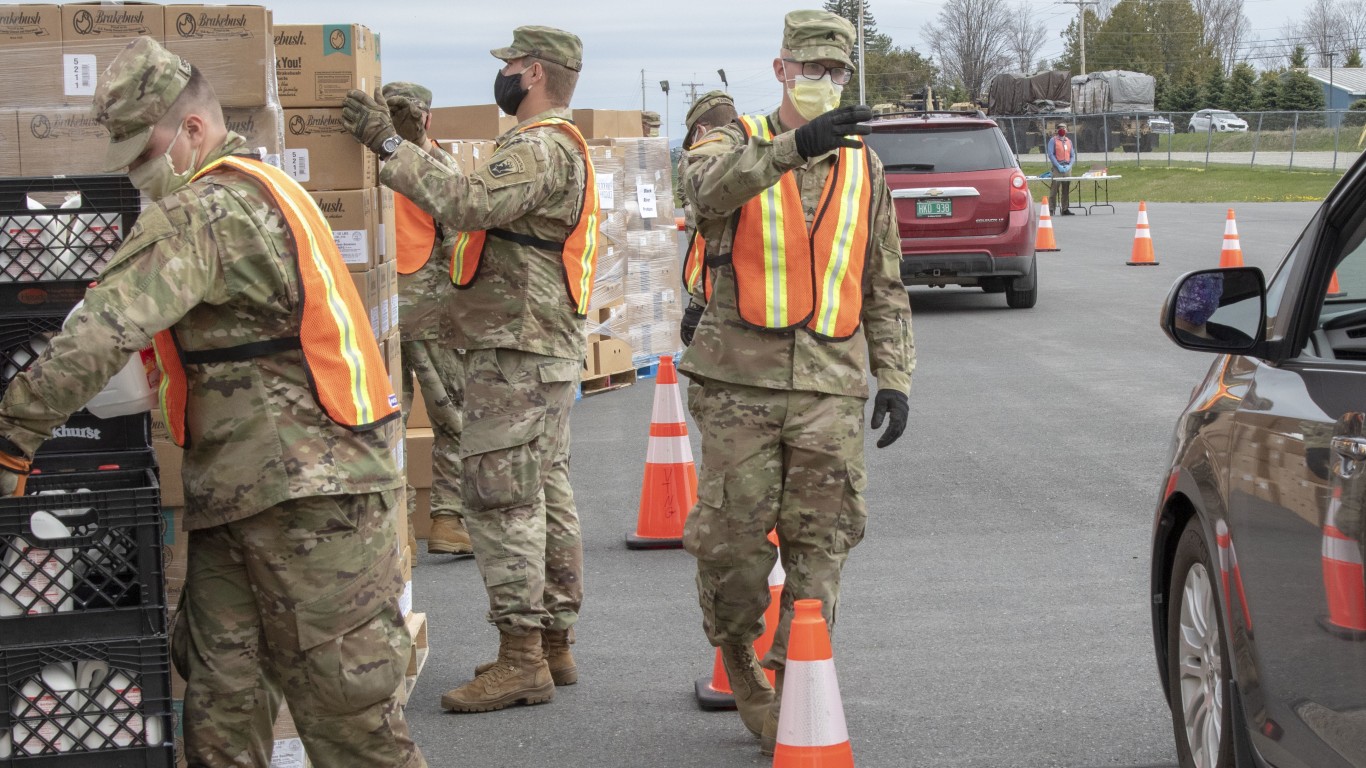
{"points": [[1081, 26], [642, 90], [692, 92]]}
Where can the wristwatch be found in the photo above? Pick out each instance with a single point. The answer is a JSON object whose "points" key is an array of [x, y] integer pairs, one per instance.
{"points": [[390, 146]]}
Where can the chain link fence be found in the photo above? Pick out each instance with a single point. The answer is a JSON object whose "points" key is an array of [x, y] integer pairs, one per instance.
{"points": [[1330, 140]]}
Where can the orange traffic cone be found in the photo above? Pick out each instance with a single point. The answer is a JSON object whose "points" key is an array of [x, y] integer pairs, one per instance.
{"points": [[714, 692], [1232, 253], [1334, 290], [1342, 578], [1044, 242], [1229, 570], [670, 487], [811, 729], [1143, 241]]}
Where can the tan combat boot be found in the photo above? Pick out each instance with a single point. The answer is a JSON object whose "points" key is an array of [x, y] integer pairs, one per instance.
{"points": [[519, 676], [753, 694], [557, 656], [768, 740], [449, 537]]}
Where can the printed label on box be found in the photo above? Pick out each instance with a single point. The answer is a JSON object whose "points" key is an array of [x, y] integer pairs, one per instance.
{"points": [[606, 194], [288, 753], [353, 245], [80, 73], [296, 164], [645, 197], [405, 601]]}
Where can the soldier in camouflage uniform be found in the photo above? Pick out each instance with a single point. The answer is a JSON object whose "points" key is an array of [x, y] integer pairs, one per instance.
{"points": [[649, 124], [428, 351], [712, 109], [781, 411], [524, 345], [293, 572]]}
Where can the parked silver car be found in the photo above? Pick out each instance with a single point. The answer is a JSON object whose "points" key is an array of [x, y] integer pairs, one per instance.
{"points": [[1216, 120]]}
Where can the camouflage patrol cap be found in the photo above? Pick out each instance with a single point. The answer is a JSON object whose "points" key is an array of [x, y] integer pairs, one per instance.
{"points": [[136, 91], [410, 91], [704, 104], [818, 36], [563, 48], [650, 119]]}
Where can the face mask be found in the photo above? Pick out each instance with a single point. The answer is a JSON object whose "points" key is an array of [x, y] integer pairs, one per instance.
{"points": [[158, 177], [813, 98], [508, 91]]}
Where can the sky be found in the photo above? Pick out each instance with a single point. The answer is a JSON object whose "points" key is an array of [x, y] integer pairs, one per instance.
{"points": [[445, 45]]}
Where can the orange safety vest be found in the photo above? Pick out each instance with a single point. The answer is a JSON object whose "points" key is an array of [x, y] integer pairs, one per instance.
{"points": [[579, 252], [695, 270], [789, 275], [342, 360], [1062, 149], [416, 235]]}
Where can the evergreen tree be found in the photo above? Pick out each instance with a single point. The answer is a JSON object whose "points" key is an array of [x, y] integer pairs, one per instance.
{"points": [[1212, 91], [1070, 60], [1184, 94], [1300, 92], [872, 40], [1241, 93], [1268, 93], [1354, 58], [1151, 36], [1299, 58]]}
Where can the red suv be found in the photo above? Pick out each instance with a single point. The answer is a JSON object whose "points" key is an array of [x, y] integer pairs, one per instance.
{"points": [[964, 208]]}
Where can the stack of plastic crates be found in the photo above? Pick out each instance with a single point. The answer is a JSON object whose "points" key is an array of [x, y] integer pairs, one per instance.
{"points": [[84, 659]]}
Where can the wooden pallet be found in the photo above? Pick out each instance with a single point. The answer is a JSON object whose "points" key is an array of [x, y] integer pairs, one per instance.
{"points": [[611, 381], [417, 657]]}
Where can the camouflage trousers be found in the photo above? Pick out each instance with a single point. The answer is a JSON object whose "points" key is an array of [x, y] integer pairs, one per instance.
{"points": [[519, 508], [440, 373], [299, 602], [773, 459]]}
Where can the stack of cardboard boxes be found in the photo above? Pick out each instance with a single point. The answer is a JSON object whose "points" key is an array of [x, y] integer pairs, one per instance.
{"points": [[58, 51]]}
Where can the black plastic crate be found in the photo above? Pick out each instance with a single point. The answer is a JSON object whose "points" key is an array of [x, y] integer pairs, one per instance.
{"points": [[22, 340], [62, 244], [93, 461], [105, 580], [117, 713]]}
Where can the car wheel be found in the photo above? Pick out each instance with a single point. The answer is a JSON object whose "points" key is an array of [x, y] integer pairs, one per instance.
{"points": [[1198, 664], [1027, 297], [1192, 127]]}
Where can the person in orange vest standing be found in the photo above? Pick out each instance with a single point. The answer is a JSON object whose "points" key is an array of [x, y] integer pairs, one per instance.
{"points": [[1061, 155], [522, 263], [429, 351], [783, 350], [711, 110], [274, 386]]}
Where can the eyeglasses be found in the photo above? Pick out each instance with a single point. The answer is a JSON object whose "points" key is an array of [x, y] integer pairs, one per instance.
{"points": [[814, 70]]}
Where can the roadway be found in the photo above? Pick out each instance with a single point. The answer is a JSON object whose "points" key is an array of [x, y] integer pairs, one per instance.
{"points": [[997, 612]]}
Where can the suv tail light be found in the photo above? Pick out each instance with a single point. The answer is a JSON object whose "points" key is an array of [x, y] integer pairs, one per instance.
{"points": [[1019, 192]]}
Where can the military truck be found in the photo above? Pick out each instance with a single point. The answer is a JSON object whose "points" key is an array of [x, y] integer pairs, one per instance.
{"points": [[1113, 110], [1028, 107]]}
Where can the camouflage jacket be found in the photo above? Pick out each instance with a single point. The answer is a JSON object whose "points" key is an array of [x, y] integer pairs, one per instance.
{"points": [[533, 185], [722, 173], [425, 296], [213, 261]]}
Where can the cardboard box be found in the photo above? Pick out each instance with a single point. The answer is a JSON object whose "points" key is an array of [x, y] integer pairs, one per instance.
{"points": [[354, 218], [422, 514], [367, 285], [469, 154], [612, 356], [419, 450], [417, 415], [389, 296], [9, 143], [607, 123], [316, 64], [388, 226], [94, 33], [321, 154], [31, 53], [262, 127], [482, 121], [61, 141], [231, 45]]}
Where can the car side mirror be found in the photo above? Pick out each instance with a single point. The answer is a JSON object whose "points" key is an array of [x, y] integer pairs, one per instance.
{"points": [[1217, 310]]}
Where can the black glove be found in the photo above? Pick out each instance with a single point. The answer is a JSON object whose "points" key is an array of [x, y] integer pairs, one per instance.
{"points": [[894, 405], [409, 117], [691, 317], [367, 118], [14, 469], [828, 131]]}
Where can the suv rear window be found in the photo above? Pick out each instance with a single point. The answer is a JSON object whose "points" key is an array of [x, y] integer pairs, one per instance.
{"points": [[947, 149]]}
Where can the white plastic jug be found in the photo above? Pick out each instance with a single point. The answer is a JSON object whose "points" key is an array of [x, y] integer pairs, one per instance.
{"points": [[130, 391], [47, 708]]}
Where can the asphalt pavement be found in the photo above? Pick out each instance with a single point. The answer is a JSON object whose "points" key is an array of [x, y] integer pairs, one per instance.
{"points": [[996, 613]]}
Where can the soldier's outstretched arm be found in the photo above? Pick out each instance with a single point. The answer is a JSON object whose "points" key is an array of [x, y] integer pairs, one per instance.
{"points": [[724, 171], [886, 309], [162, 271], [514, 181]]}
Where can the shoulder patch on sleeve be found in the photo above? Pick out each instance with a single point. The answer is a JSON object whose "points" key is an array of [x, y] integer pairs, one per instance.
{"points": [[517, 162], [505, 166]]}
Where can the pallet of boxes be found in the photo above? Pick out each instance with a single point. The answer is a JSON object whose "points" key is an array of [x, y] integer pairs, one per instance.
{"points": [[84, 657]]}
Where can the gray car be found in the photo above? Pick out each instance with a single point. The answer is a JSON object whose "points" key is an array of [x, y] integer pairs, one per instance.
{"points": [[1258, 596]]}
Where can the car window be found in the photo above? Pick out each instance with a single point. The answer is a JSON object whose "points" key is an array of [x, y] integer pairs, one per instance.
{"points": [[1340, 329], [942, 150]]}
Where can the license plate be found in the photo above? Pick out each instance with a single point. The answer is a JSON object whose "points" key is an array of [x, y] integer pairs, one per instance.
{"points": [[933, 209]]}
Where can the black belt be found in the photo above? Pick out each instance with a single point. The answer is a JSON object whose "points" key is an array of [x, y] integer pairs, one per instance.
{"points": [[241, 352], [528, 240]]}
